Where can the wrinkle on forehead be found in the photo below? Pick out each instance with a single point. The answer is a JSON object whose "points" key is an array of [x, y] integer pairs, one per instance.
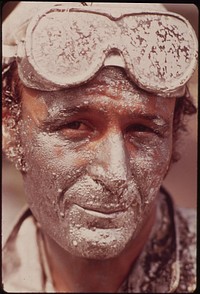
{"points": [[110, 81], [114, 82], [112, 77], [34, 105], [110, 85]]}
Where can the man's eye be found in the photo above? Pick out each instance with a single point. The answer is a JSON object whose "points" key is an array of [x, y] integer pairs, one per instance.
{"points": [[76, 125], [141, 134], [76, 130], [140, 128]]}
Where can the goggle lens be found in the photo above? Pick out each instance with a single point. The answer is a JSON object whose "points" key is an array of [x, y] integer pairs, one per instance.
{"points": [[66, 48]]}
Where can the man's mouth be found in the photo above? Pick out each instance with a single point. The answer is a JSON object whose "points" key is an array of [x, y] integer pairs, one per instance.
{"points": [[99, 218], [102, 212]]}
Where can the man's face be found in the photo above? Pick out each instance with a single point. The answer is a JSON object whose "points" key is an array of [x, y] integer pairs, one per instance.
{"points": [[96, 158]]}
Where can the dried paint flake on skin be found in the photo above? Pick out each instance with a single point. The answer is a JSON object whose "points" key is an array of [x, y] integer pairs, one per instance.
{"points": [[96, 186]]}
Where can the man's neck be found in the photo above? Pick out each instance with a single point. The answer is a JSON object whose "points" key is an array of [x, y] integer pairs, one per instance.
{"points": [[74, 274]]}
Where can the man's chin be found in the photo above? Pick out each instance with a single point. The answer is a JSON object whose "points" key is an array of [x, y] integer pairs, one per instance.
{"points": [[99, 243], [97, 235]]}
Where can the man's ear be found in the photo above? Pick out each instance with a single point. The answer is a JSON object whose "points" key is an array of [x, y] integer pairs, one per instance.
{"points": [[11, 140], [8, 130]]}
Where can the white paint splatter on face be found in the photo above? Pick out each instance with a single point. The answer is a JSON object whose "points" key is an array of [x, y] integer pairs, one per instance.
{"points": [[159, 121], [97, 161]]}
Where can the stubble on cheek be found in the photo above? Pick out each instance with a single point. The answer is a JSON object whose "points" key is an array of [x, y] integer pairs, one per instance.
{"points": [[150, 168], [72, 229]]}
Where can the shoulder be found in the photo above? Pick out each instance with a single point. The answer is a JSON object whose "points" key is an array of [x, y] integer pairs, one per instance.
{"points": [[21, 256], [189, 215], [186, 226], [186, 221]]}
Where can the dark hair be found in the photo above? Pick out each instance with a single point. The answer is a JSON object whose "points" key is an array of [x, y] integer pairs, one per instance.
{"points": [[184, 106], [11, 92]]}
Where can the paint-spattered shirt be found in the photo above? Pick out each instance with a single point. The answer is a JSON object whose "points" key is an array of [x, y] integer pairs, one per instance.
{"points": [[167, 263]]}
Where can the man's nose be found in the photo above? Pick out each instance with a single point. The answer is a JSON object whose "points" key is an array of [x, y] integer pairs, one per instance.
{"points": [[111, 162]]}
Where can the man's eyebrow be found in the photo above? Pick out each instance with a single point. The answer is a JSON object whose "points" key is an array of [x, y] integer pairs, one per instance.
{"points": [[65, 111], [155, 118], [56, 114]]}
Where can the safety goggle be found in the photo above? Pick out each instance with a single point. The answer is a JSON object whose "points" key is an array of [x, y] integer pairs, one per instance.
{"points": [[66, 47]]}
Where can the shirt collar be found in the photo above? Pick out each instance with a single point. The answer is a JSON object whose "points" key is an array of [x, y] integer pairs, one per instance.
{"points": [[157, 268]]}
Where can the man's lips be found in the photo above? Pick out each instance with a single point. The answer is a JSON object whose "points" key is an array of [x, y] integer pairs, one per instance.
{"points": [[101, 211], [87, 218], [99, 203]]}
